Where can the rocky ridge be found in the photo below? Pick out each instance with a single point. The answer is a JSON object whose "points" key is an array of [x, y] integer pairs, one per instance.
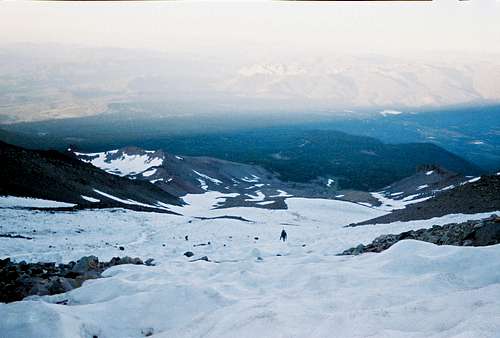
{"points": [[55, 176], [479, 194], [471, 233]]}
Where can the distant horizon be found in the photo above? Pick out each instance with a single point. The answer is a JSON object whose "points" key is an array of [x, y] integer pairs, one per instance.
{"points": [[70, 59], [51, 81]]}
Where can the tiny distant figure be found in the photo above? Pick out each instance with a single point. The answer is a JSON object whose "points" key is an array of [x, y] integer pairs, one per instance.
{"points": [[186, 238], [283, 235]]}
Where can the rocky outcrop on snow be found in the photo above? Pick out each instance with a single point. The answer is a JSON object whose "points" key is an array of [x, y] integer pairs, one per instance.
{"points": [[472, 233], [20, 280]]}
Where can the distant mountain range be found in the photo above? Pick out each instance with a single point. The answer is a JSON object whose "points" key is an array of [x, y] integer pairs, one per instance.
{"points": [[40, 82], [301, 155], [368, 81], [148, 180]]}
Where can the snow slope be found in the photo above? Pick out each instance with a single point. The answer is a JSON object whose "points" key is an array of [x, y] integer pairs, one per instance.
{"points": [[414, 289], [255, 285]]}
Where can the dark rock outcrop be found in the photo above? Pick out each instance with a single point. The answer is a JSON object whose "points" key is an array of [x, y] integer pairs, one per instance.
{"points": [[15, 236], [472, 233], [60, 177], [429, 180], [469, 198], [20, 280]]}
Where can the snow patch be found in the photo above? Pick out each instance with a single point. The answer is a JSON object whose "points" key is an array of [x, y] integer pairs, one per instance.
{"points": [[281, 193], [213, 180], [410, 197], [257, 198], [389, 112], [203, 184], [28, 202], [149, 172], [90, 199], [125, 165], [253, 179], [162, 180], [260, 185], [389, 204], [265, 202], [128, 201]]}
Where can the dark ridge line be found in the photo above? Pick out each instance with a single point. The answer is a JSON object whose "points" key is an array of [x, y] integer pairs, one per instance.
{"points": [[238, 218], [14, 236]]}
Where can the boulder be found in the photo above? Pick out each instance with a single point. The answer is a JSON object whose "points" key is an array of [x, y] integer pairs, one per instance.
{"points": [[88, 266]]}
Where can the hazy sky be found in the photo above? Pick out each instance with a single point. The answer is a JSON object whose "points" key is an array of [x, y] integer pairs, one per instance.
{"points": [[260, 27], [246, 55]]}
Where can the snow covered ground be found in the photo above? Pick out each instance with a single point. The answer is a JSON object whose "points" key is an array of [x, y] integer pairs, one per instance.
{"points": [[255, 285], [24, 202]]}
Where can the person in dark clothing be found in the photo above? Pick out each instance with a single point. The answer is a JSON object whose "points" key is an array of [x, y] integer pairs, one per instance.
{"points": [[283, 235]]}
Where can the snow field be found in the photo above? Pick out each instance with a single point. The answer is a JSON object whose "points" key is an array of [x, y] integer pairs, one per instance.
{"points": [[414, 289]]}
